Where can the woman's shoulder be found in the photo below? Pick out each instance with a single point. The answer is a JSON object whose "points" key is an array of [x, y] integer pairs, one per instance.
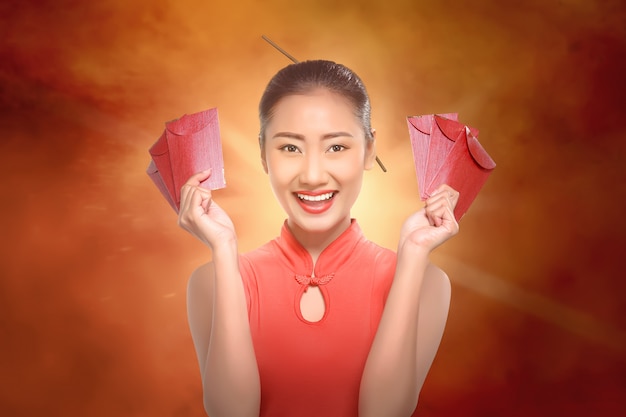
{"points": [[260, 252], [259, 257], [436, 291], [435, 277], [201, 278], [381, 255]]}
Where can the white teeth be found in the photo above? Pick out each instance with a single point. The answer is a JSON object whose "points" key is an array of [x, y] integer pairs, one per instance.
{"points": [[320, 197]]}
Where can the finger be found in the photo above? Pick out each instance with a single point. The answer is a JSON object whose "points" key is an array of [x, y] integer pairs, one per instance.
{"points": [[438, 199], [439, 209], [449, 221], [203, 198], [198, 198], [186, 192], [451, 192], [192, 199], [435, 215], [183, 206], [447, 191], [198, 177], [193, 181]]}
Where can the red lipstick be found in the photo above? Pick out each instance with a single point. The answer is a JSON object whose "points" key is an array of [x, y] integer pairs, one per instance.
{"points": [[316, 207]]}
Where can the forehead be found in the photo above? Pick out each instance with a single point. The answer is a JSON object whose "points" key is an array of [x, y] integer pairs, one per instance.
{"points": [[317, 108]]}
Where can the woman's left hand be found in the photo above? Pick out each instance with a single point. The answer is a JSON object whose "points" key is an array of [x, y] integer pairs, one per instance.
{"points": [[433, 224]]}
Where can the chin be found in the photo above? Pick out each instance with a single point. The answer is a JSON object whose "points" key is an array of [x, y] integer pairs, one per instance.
{"points": [[319, 224]]}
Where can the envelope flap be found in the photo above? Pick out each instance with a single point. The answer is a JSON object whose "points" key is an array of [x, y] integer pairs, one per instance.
{"points": [[451, 116], [451, 129], [190, 124], [422, 123], [479, 154], [159, 147]]}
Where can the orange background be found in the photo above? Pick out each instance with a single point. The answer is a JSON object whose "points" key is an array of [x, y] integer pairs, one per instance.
{"points": [[94, 266]]}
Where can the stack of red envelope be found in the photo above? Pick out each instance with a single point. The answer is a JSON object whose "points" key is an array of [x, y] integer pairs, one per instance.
{"points": [[448, 152], [188, 145]]}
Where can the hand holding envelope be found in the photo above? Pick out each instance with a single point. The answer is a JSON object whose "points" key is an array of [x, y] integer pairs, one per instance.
{"points": [[448, 152], [188, 145]]}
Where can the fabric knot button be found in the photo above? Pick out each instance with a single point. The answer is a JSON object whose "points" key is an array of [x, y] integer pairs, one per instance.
{"points": [[306, 280]]}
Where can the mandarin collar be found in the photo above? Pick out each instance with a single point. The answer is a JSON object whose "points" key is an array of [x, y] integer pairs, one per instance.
{"points": [[332, 257]]}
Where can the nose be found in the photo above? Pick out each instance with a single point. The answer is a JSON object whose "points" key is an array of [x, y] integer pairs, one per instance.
{"points": [[313, 171]]}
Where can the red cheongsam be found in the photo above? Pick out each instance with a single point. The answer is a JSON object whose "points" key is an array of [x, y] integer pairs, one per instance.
{"points": [[314, 368]]}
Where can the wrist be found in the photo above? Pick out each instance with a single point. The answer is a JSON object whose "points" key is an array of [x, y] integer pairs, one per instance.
{"points": [[226, 260], [411, 265], [225, 249], [412, 250]]}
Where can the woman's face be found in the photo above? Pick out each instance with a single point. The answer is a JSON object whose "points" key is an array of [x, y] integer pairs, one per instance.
{"points": [[315, 153]]}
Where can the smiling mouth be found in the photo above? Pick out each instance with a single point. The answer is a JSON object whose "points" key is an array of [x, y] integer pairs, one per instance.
{"points": [[316, 204], [314, 198]]}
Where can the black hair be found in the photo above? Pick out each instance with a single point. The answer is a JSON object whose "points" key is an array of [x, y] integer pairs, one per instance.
{"points": [[303, 77]]}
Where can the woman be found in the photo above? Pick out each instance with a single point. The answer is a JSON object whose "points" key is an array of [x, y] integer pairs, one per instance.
{"points": [[319, 321]]}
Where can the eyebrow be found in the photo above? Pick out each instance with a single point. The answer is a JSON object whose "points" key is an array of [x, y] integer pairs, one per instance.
{"points": [[297, 136]]}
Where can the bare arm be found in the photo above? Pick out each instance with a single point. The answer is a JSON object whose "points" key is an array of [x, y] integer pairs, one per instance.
{"points": [[413, 319], [218, 320], [217, 312], [431, 322]]}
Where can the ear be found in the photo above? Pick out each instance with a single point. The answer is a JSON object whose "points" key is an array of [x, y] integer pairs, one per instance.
{"points": [[262, 148], [263, 161], [370, 151]]}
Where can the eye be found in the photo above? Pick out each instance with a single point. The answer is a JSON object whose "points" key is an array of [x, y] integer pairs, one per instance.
{"points": [[290, 148], [336, 148]]}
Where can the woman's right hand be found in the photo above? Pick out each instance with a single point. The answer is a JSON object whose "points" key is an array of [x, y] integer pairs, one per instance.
{"points": [[201, 216]]}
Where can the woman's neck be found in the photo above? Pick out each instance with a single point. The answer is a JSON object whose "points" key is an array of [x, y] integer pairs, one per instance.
{"points": [[316, 242]]}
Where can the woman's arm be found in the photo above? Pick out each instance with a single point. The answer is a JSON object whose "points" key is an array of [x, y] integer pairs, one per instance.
{"points": [[218, 319], [414, 316], [433, 314], [217, 311]]}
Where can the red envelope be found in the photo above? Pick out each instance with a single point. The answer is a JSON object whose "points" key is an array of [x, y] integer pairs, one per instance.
{"points": [[447, 152], [188, 145], [155, 175]]}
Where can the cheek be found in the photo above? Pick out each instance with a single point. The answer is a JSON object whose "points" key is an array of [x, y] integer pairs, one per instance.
{"points": [[280, 172], [354, 165]]}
